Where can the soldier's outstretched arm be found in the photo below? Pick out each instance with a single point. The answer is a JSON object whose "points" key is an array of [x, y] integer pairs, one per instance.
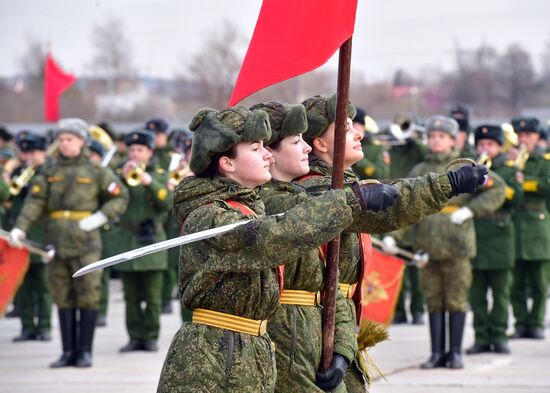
{"points": [[272, 241], [34, 203], [418, 197]]}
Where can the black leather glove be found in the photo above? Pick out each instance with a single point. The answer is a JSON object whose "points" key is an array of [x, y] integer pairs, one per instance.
{"points": [[331, 378], [375, 197], [467, 179]]}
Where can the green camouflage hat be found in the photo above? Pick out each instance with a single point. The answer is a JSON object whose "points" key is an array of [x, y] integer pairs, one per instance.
{"points": [[285, 119], [321, 111], [218, 131]]}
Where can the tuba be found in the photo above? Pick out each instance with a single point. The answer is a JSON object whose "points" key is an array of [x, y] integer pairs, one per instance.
{"points": [[522, 157], [100, 135], [510, 137]]}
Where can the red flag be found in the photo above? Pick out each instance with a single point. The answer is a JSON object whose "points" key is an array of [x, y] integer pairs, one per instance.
{"points": [[291, 38], [14, 263], [56, 82], [381, 287]]}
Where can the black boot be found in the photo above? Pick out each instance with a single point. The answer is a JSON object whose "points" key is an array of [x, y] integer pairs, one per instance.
{"points": [[437, 338], [456, 331], [67, 325], [87, 327]]}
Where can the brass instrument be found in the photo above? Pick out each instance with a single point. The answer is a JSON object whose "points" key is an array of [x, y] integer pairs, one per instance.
{"points": [[522, 157], [20, 181], [510, 137], [100, 135], [134, 175], [484, 159], [176, 176]]}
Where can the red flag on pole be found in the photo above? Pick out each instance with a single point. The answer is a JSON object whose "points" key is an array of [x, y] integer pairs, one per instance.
{"points": [[56, 81], [293, 37]]}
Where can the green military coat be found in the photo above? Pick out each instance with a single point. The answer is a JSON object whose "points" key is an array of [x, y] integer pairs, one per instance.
{"points": [[404, 157], [163, 156], [531, 217], [436, 234], [495, 235], [147, 203], [72, 184]]}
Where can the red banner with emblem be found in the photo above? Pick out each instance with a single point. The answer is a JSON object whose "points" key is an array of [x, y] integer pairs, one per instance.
{"points": [[14, 263], [381, 287]]}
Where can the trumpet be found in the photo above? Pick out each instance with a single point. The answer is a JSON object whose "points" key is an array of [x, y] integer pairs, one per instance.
{"points": [[20, 181], [522, 157], [176, 176], [134, 175], [484, 159]]}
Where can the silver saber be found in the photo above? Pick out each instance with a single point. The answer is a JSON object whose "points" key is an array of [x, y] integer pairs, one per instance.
{"points": [[418, 259], [161, 246]]}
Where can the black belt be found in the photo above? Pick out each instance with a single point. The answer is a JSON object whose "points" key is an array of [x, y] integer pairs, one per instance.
{"points": [[532, 207]]}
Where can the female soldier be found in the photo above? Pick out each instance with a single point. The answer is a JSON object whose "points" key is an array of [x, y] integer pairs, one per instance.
{"points": [[417, 197], [230, 281]]}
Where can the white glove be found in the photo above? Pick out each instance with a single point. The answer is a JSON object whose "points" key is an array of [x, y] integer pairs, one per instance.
{"points": [[17, 237], [389, 245], [93, 222], [461, 215]]}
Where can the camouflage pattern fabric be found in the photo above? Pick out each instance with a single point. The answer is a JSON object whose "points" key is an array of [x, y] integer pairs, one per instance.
{"points": [[234, 273], [297, 330]]}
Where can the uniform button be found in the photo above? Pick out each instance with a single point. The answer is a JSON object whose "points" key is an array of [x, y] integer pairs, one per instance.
{"points": [[541, 216]]}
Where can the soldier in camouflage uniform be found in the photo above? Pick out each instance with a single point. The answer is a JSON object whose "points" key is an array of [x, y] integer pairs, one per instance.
{"points": [[375, 163], [34, 300], [231, 281], [493, 264], [417, 197], [163, 155], [461, 113], [449, 239], [532, 236], [142, 224], [77, 197], [296, 329]]}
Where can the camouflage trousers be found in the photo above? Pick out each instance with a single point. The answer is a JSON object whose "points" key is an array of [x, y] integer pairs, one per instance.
{"points": [[297, 334], [355, 380], [80, 292], [446, 284], [207, 359]]}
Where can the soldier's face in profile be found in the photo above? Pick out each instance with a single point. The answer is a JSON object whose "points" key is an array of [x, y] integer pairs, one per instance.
{"points": [[140, 153], [70, 145], [354, 150], [440, 142], [250, 166], [529, 139], [291, 158], [489, 146]]}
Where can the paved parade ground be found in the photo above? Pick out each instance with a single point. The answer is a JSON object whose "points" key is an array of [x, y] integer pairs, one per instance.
{"points": [[24, 366]]}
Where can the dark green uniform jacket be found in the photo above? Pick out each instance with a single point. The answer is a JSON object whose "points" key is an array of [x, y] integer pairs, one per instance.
{"points": [[405, 157], [234, 273], [436, 234], [531, 217], [142, 222], [163, 156], [495, 232], [74, 184], [297, 330]]}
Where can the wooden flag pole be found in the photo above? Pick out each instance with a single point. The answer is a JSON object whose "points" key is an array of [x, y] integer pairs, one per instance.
{"points": [[331, 281]]}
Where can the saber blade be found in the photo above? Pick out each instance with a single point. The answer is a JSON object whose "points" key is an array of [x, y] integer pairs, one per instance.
{"points": [[161, 246]]}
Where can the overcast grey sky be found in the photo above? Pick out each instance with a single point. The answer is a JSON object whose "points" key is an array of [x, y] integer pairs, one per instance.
{"points": [[389, 34]]}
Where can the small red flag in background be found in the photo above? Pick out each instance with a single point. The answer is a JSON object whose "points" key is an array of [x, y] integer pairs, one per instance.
{"points": [[56, 82], [293, 37]]}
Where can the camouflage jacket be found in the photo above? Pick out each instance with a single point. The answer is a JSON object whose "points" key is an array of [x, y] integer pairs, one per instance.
{"points": [[418, 197], [74, 184], [436, 234], [142, 222], [495, 232], [235, 272], [306, 273], [531, 217]]}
